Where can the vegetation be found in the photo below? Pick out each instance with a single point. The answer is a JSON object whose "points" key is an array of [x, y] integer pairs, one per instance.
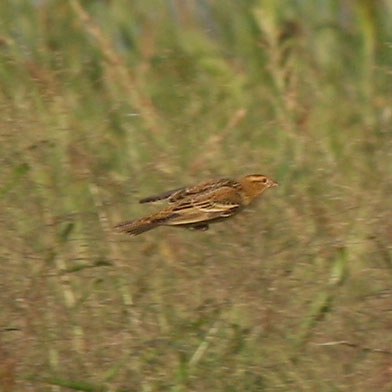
{"points": [[103, 102]]}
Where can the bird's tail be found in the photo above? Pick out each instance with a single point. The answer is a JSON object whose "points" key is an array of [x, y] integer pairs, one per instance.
{"points": [[138, 226]]}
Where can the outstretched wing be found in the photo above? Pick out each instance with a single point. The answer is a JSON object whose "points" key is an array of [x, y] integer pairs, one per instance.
{"points": [[178, 194]]}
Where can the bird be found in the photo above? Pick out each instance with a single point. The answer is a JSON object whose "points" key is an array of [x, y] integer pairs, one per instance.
{"points": [[196, 207]]}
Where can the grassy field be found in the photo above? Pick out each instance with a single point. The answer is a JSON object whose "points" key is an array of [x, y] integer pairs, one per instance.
{"points": [[103, 102]]}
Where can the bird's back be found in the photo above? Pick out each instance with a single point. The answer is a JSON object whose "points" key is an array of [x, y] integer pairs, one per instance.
{"points": [[178, 194]]}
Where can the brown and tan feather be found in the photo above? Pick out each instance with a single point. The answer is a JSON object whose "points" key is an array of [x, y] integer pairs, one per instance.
{"points": [[200, 205]]}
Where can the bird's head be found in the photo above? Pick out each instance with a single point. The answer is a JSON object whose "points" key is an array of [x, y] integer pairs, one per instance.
{"points": [[255, 184]]}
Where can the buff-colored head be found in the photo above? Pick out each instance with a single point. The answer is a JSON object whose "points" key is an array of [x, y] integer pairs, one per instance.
{"points": [[254, 185]]}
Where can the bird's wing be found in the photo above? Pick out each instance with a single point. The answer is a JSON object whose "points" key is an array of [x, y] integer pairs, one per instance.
{"points": [[161, 196], [205, 207], [175, 195]]}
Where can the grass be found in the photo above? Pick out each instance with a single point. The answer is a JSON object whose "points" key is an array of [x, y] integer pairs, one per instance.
{"points": [[105, 102]]}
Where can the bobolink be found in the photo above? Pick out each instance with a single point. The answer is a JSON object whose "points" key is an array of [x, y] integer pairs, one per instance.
{"points": [[197, 206]]}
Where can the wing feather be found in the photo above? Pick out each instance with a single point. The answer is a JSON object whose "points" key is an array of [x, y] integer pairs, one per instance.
{"points": [[178, 194], [213, 205], [160, 196]]}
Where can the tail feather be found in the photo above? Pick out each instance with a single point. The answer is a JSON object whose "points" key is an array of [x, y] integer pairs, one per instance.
{"points": [[136, 227]]}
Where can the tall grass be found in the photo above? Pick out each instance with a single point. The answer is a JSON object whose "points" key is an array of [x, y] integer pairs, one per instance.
{"points": [[105, 101]]}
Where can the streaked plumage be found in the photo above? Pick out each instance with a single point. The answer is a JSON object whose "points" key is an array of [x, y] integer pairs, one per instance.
{"points": [[197, 206]]}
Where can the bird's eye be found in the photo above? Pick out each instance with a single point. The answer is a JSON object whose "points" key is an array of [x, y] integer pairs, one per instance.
{"points": [[264, 180]]}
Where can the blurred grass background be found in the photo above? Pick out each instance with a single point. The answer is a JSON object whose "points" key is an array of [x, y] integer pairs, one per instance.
{"points": [[103, 102]]}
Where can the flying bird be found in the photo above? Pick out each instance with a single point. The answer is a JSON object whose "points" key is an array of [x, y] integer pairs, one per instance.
{"points": [[195, 207]]}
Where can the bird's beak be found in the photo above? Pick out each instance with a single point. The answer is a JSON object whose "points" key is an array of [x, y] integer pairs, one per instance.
{"points": [[273, 183]]}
